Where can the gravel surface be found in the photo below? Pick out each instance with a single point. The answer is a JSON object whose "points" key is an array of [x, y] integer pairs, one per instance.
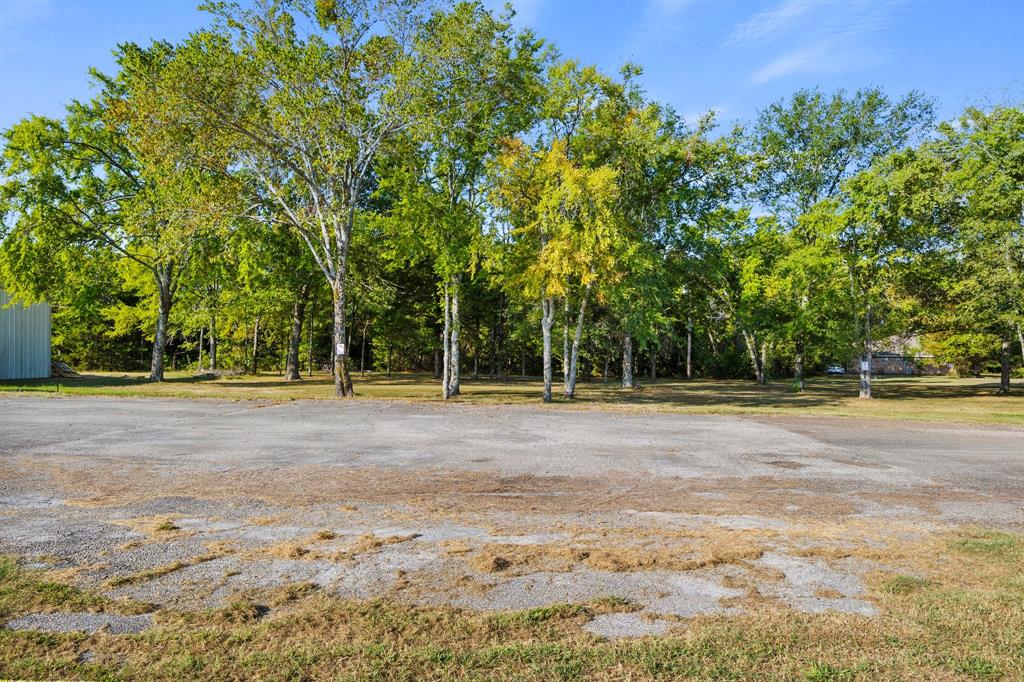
{"points": [[82, 622], [187, 503]]}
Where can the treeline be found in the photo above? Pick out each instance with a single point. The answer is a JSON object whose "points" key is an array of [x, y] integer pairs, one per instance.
{"points": [[364, 184]]}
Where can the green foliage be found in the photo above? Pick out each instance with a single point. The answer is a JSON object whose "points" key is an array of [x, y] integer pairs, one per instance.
{"points": [[414, 154]]}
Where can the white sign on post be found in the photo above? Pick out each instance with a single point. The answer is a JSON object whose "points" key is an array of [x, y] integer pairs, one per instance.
{"points": [[341, 349], [865, 366]]}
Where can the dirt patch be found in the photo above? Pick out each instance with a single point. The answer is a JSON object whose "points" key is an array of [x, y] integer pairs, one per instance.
{"points": [[450, 492]]}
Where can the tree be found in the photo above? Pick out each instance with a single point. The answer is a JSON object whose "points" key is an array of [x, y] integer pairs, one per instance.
{"points": [[308, 115], [882, 227], [485, 84], [975, 173], [804, 149], [124, 176]]}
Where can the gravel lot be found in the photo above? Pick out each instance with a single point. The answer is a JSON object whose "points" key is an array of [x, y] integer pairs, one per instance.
{"points": [[186, 503]]}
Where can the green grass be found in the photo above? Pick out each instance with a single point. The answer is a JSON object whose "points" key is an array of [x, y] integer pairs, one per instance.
{"points": [[939, 399], [904, 584], [995, 544], [966, 623], [23, 591]]}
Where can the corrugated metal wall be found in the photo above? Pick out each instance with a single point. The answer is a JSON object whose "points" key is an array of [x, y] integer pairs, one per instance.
{"points": [[24, 340]]}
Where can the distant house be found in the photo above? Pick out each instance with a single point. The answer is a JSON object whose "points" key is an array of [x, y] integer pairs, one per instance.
{"points": [[24, 339], [903, 355]]}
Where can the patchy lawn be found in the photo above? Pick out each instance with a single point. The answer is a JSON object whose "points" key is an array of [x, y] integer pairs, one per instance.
{"points": [[964, 620], [920, 398]]}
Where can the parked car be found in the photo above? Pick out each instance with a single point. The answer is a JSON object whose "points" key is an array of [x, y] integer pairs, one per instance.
{"points": [[833, 370]]}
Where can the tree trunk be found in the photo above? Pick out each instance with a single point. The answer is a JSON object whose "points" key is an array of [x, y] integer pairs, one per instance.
{"points": [[342, 380], [156, 371], [213, 343], [1004, 374], [756, 358], [199, 363], [798, 365], [312, 317], [291, 365], [456, 373], [865, 363], [256, 346], [689, 347], [765, 350], [476, 357], [437, 363], [547, 320], [607, 361], [499, 341], [565, 342], [388, 367], [522, 362], [574, 353], [446, 345], [1020, 338], [627, 361]]}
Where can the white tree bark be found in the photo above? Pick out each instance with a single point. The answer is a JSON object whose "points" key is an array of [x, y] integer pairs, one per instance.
{"points": [[547, 320], [565, 341], [689, 347], [1004, 373], [455, 374], [756, 355], [446, 362], [627, 361]]}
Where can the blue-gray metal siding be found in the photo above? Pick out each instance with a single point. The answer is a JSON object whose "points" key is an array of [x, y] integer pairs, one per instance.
{"points": [[24, 340]]}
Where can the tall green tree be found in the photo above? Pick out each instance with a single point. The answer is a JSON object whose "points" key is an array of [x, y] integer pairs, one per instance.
{"points": [[122, 176], [308, 111], [974, 174], [802, 150], [485, 83]]}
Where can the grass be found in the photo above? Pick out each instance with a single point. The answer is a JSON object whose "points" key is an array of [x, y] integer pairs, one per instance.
{"points": [[964, 623], [940, 399], [23, 591]]}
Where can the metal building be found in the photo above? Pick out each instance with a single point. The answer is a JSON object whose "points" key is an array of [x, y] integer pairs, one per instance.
{"points": [[24, 340]]}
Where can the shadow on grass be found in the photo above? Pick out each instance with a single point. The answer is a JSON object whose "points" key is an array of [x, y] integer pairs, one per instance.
{"points": [[95, 381], [743, 395]]}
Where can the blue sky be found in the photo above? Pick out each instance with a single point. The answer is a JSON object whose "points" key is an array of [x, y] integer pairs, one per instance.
{"points": [[698, 55]]}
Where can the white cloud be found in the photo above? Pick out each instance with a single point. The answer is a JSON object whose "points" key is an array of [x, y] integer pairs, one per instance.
{"points": [[818, 58], [770, 23], [822, 36]]}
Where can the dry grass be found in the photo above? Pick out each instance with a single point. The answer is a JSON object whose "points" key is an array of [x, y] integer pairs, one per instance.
{"points": [[156, 528], [714, 549], [300, 549], [966, 621], [920, 398]]}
